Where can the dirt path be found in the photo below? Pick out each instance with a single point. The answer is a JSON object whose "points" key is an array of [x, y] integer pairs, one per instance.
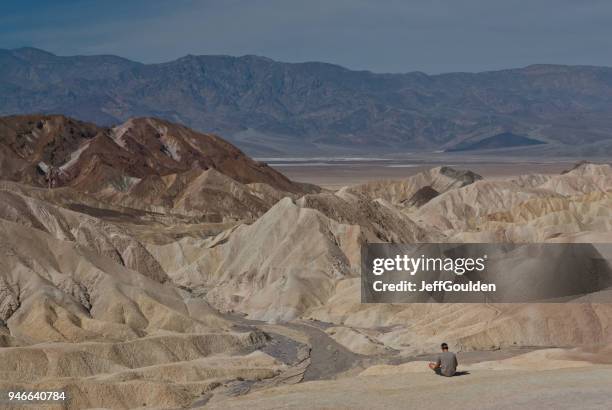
{"points": [[327, 357], [309, 353]]}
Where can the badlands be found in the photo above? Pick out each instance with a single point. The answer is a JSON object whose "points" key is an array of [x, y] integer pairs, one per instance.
{"points": [[148, 265]]}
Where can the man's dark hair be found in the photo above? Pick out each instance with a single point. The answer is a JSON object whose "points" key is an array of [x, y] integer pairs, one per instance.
{"points": [[444, 346]]}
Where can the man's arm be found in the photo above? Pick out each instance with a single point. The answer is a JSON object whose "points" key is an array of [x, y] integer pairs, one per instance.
{"points": [[435, 365]]}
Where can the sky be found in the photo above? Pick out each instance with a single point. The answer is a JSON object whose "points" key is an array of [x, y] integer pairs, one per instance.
{"points": [[433, 36]]}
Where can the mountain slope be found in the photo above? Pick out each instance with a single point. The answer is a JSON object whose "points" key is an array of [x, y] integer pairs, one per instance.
{"points": [[499, 141], [271, 107], [57, 150]]}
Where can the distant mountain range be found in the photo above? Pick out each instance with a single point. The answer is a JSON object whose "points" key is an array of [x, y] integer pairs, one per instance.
{"points": [[268, 107]]}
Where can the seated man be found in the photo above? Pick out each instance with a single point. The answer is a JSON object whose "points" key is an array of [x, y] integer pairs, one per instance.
{"points": [[446, 365]]}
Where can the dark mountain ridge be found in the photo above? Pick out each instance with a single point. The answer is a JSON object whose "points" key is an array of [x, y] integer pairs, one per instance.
{"points": [[55, 151], [499, 141], [268, 107]]}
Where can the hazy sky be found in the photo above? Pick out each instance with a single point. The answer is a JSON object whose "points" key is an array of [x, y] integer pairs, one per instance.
{"points": [[384, 36]]}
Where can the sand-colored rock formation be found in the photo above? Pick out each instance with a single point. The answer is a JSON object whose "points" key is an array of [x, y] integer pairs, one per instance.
{"points": [[134, 272]]}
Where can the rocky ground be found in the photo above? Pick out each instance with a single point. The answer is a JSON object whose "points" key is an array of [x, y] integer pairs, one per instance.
{"points": [[568, 388]]}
